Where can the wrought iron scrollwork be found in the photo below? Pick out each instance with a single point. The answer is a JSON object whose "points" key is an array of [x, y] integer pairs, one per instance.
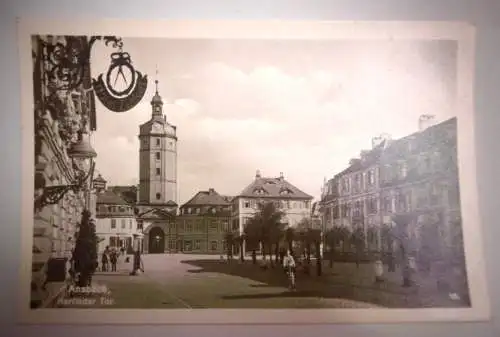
{"points": [[53, 194], [69, 62]]}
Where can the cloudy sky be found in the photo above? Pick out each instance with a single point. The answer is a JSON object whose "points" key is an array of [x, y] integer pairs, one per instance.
{"points": [[303, 108]]}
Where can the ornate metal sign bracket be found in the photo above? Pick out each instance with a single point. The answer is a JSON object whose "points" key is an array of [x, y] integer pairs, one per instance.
{"points": [[120, 100]]}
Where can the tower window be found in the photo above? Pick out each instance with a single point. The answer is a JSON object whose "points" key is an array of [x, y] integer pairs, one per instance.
{"points": [[158, 141], [157, 155], [158, 196], [158, 171]]}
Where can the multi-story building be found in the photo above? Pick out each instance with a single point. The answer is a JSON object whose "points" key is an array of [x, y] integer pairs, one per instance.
{"points": [[64, 115], [202, 224], [116, 225], [295, 203], [415, 176]]}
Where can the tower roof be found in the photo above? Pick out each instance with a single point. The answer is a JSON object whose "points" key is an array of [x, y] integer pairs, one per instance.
{"points": [[156, 100]]}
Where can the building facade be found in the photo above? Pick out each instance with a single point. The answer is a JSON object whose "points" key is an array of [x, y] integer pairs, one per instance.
{"points": [[116, 225], [415, 177], [64, 113], [202, 224], [295, 203]]}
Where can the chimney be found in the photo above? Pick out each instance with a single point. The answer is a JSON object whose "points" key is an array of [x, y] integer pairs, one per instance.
{"points": [[424, 121], [257, 174], [211, 191], [281, 176]]}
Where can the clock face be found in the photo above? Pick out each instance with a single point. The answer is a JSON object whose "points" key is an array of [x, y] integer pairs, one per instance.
{"points": [[157, 128]]}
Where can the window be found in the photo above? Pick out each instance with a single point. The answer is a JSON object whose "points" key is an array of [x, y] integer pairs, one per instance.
{"points": [[387, 202], [158, 171], [372, 205], [157, 141], [158, 196], [213, 225], [171, 244], [370, 177], [157, 154], [112, 241], [188, 246], [247, 204], [130, 223], [123, 223], [213, 245], [189, 226], [197, 244], [113, 223]]}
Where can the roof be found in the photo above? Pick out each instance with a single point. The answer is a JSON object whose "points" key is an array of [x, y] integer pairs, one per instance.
{"points": [[128, 193], [373, 156], [208, 198], [370, 158], [265, 187], [110, 198]]}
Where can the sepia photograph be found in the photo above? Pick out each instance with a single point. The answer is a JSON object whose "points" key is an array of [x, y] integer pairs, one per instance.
{"points": [[254, 169]]}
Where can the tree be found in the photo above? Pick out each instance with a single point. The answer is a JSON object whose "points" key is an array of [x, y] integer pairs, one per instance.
{"points": [[333, 237], [310, 236], [85, 253], [290, 236], [240, 239], [387, 239], [252, 236], [229, 238], [268, 222], [358, 240]]}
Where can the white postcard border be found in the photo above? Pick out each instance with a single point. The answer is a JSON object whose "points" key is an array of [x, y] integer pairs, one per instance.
{"points": [[471, 221]]}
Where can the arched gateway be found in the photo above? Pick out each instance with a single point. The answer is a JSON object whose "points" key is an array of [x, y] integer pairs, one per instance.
{"points": [[157, 227], [156, 244]]}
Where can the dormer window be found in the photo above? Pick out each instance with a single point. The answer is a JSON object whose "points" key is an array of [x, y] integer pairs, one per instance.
{"points": [[286, 191], [260, 191]]}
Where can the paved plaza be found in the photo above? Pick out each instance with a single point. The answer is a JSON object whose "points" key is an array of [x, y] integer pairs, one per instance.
{"points": [[196, 281]]}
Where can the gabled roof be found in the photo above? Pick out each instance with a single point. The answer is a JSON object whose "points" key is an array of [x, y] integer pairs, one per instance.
{"points": [[207, 198], [263, 187], [110, 198], [156, 213]]}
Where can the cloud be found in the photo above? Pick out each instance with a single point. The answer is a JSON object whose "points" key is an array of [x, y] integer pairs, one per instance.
{"points": [[307, 123]]}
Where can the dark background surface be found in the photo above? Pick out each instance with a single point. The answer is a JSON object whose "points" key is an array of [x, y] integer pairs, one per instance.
{"points": [[484, 14]]}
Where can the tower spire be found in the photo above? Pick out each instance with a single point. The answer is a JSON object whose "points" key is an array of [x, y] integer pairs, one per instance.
{"points": [[156, 102], [156, 80]]}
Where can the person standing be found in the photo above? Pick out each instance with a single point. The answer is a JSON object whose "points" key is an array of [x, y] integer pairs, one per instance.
{"points": [[113, 259], [104, 259], [289, 265]]}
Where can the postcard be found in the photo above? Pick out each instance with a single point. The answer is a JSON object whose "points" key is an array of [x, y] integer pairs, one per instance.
{"points": [[249, 172]]}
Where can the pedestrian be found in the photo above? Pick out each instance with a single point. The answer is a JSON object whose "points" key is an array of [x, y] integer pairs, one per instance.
{"points": [[289, 265], [113, 257], [104, 259]]}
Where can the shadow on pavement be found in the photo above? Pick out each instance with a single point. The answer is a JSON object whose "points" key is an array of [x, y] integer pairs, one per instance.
{"points": [[314, 286]]}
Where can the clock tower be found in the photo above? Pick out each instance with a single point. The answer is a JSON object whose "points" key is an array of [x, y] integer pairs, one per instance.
{"points": [[157, 159]]}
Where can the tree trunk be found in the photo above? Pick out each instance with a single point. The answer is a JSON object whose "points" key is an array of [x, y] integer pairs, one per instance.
{"points": [[277, 252], [308, 249], [254, 257], [290, 245], [242, 257], [332, 255], [319, 264]]}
